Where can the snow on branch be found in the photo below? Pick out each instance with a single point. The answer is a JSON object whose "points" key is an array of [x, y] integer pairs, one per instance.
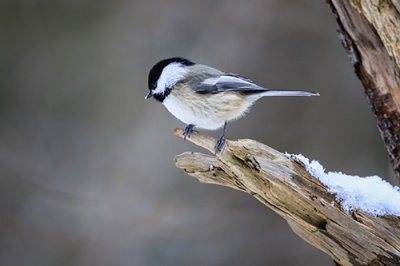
{"points": [[332, 211], [369, 194]]}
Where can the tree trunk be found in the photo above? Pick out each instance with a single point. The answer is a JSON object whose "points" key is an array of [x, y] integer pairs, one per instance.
{"points": [[370, 33], [283, 184]]}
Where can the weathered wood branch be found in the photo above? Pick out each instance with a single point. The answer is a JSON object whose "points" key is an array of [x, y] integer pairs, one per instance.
{"points": [[370, 33], [284, 185]]}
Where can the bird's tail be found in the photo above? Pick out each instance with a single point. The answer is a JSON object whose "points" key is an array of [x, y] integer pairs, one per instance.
{"points": [[288, 93]]}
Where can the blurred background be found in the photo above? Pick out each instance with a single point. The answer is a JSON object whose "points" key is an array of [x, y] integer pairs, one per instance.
{"points": [[86, 164]]}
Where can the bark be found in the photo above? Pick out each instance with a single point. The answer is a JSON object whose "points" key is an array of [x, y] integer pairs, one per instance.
{"points": [[370, 33], [283, 184]]}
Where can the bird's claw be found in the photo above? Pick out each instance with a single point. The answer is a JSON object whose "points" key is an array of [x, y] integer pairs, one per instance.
{"points": [[220, 144], [187, 131]]}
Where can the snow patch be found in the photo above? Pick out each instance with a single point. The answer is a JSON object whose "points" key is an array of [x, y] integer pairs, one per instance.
{"points": [[370, 194]]}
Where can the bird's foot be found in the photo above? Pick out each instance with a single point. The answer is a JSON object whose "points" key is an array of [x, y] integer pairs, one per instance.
{"points": [[220, 144], [187, 131]]}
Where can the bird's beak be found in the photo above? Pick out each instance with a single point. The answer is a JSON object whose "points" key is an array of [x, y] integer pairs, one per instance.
{"points": [[149, 95]]}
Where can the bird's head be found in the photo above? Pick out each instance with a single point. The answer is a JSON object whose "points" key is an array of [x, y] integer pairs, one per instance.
{"points": [[165, 74]]}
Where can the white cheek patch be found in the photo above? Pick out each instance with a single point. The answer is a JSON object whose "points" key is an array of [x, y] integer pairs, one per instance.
{"points": [[170, 75]]}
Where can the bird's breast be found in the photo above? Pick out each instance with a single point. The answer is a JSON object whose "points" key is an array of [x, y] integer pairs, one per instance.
{"points": [[207, 111]]}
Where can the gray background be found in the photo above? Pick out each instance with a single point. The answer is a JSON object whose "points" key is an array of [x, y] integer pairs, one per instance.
{"points": [[86, 164]]}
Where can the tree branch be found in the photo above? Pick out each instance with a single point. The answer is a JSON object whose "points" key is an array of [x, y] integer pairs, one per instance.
{"points": [[283, 184], [370, 33]]}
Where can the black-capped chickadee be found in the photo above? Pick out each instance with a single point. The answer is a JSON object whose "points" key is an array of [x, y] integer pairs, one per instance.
{"points": [[205, 97]]}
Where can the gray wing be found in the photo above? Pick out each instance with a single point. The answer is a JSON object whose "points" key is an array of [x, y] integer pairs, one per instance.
{"points": [[227, 82]]}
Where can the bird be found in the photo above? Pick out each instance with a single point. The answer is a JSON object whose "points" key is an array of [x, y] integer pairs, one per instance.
{"points": [[204, 97]]}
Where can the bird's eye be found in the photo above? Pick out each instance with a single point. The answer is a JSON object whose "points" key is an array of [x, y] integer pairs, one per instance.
{"points": [[154, 85]]}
